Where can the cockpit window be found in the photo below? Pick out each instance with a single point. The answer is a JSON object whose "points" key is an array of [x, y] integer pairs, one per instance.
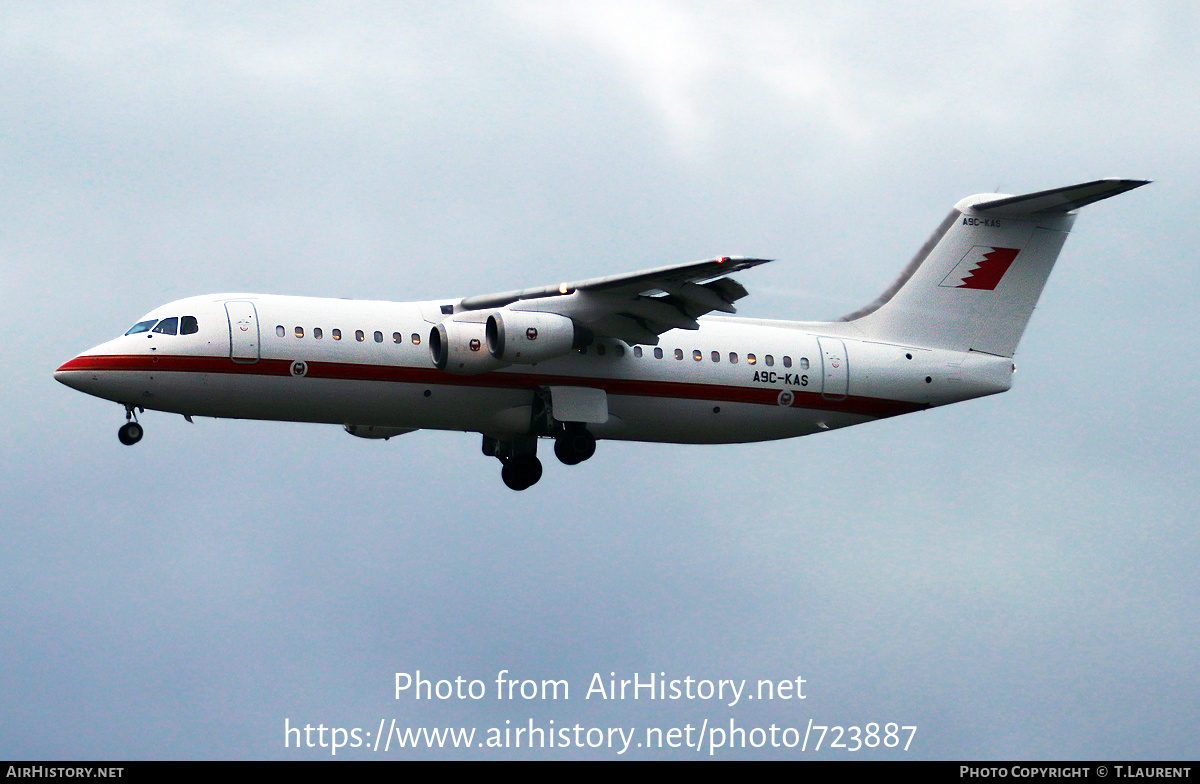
{"points": [[141, 326], [168, 326], [188, 325]]}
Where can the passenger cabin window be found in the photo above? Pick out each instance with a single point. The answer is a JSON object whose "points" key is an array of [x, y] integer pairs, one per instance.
{"points": [[337, 334], [657, 352], [142, 326], [770, 360], [600, 349], [697, 355], [397, 338], [804, 363], [416, 339], [168, 326], [317, 333], [751, 359], [679, 353], [378, 336], [299, 332], [716, 356], [188, 325], [787, 361], [637, 351], [733, 357], [359, 335], [280, 331]]}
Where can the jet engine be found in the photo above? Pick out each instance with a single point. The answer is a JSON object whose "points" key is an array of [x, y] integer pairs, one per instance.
{"points": [[458, 347], [526, 337]]}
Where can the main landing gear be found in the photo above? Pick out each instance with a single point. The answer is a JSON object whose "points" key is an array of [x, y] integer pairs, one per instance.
{"points": [[521, 469], [131, 432], [572, 445], [521, 472]]}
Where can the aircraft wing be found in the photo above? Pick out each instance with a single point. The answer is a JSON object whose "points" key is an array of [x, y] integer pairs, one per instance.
{"points": [[635, 307]]}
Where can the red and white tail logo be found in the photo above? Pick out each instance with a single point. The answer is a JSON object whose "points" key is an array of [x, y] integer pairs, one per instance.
{"points": [[982, 268]]}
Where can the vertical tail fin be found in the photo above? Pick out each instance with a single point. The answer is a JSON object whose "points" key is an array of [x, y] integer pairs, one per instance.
{"points": [[974, 284]]}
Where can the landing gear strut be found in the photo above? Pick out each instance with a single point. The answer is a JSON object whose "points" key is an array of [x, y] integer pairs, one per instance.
{"points": [[131, 432]]}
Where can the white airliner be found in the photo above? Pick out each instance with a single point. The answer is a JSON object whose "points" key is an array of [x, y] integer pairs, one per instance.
{"points": [[633, 357]]}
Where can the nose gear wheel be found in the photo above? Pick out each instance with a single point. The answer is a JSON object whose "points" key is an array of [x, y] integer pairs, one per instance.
{"points": [[131, 432]]}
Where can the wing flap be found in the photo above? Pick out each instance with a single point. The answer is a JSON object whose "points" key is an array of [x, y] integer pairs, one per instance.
{"points": [[625, 328], [659, 311]]}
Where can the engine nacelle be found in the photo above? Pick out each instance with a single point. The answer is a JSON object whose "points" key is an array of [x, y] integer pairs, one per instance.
{"points": [[525, 337], [458, 347]]}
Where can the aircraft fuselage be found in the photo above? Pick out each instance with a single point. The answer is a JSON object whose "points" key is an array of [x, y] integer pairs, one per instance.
{"points": [[635, 356], [732, 380]]}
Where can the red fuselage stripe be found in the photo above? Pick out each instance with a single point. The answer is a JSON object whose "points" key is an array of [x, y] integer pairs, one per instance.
{"points": [[343, 371]]}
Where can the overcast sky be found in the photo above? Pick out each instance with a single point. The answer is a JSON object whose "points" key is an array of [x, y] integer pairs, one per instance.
{"points": [[1016, 576]]}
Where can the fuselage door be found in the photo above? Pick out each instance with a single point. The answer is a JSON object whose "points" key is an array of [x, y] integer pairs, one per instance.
{"points": [[243, 331], [835, 371]]}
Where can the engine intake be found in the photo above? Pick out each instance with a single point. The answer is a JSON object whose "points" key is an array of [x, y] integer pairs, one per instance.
{"points": [[458, 347]]}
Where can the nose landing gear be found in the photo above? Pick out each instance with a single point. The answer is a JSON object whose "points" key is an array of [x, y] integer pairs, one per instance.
{"points": [[131, 432]]}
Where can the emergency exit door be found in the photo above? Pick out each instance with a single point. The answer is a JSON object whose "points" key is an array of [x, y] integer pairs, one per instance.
{"points": [[835, 371], [243, 331]]}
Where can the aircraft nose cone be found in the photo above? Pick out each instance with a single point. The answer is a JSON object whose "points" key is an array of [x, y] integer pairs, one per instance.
{"points": [[68, 376], [73, 373]]}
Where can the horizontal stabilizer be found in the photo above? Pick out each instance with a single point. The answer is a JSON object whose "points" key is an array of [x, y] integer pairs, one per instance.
{"points": [[1056, 200]]}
